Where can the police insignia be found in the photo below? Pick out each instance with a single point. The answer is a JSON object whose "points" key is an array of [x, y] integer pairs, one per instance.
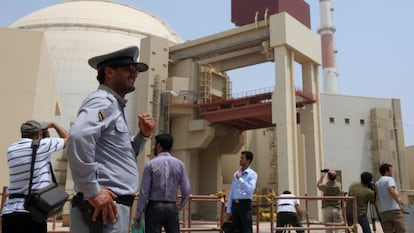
{"points": [[101, 116]]}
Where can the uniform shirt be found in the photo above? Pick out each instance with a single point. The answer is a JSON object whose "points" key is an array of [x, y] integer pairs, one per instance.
{"points": [[242, 188], [331, 188], [162, 176], [19, 158], [100, 150], [363, 195], [287, 205], [385, 199]]}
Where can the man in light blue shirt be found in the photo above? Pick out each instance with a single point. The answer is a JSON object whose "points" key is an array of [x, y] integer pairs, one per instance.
{"points": [[101, 152], [239, 203]]}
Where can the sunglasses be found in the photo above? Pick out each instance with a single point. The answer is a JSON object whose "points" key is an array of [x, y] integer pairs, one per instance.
{"points": [[132, 68]]}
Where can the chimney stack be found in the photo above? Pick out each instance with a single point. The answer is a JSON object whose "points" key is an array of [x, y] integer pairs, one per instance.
{"points": [[330, 82]]}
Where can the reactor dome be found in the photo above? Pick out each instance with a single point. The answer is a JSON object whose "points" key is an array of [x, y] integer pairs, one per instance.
{"points": [[97, 14], [77, 30]]}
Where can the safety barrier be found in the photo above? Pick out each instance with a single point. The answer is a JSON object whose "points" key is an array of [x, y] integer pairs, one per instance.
{"points": [[320, 225], [187, 224]]}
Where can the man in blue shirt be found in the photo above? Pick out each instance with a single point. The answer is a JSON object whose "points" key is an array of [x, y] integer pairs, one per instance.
{"points": [[162, 177], [239, 203]]}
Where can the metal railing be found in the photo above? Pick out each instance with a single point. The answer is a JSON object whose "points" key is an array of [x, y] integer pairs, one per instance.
{"points": [[187, 224], [319, 225]]}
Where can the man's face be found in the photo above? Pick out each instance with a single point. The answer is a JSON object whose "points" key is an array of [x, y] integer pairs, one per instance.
{"points": [[389, 172], [243, 161], [122, 79]]}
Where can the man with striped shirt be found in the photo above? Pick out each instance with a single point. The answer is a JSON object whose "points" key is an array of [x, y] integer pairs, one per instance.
{"points": [[15, 219]]}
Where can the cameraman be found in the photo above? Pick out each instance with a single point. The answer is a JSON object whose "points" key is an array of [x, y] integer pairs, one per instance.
{"points": [[331, 208], [19, 156], [364, 193]]}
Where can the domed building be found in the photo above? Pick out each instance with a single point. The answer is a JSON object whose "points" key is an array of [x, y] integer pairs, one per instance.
{"points": [[77, 30], [60, 39]]}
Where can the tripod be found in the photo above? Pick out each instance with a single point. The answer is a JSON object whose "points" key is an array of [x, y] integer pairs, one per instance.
{"points": [[374, 215]]}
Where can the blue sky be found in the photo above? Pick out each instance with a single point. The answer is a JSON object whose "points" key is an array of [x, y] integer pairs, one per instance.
{"points": [[374, 40]]}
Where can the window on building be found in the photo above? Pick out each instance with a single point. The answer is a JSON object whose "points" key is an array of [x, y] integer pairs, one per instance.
{"points": [[347, 121], [331, 120], [362, 122]]}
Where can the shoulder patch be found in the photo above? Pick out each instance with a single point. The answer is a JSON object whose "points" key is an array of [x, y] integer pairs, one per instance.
{"points": [[101, 116]]}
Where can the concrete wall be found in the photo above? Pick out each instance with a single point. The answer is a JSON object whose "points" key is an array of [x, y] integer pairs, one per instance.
{"points": [[28, 90], [409, 151], [347, 139]]}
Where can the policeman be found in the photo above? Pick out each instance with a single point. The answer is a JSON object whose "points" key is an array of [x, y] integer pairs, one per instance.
{"points": [[101, 153]]}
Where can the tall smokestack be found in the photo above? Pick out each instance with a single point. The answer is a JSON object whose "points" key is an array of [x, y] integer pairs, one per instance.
{"points": [[330, 83]]}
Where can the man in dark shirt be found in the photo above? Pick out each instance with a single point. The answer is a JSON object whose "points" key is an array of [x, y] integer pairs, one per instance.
{"points": [[364, 193], [158, 194]]}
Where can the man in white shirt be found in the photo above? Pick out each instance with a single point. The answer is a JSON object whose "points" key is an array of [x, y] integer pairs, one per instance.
{"points": [[392, 211], [288, 211]]}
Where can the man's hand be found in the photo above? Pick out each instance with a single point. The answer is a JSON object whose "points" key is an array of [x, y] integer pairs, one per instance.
{"points": [[136, 222], [146, 124], [178, 205], [104, 203], [239, 174], [320, 179]]}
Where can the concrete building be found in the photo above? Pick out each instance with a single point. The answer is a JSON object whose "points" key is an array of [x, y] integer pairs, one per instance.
{"points": [[349, 134], [29, 89], [74, 31]]}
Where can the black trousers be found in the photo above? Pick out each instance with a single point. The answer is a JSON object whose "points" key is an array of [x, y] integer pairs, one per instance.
{"points": [[241, 212], [160, 214], [285, 218], [18, 222]]}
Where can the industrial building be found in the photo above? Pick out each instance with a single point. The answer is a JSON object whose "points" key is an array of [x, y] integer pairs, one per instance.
{"points": [[293, 132]]}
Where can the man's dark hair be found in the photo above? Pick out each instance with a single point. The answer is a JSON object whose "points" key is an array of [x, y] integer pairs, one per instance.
{"points": [[286, 192], [384, 168], [165, 140], [248, 155], [331, 175], [101, 76], [366, 178]]}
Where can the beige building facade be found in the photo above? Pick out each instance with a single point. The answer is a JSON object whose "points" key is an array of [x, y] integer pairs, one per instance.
{"points": [[184, 76], [29, 89]]}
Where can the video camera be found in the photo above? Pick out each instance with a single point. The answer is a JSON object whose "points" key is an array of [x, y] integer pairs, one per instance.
{"points": [[372, 186], [325, 170]]}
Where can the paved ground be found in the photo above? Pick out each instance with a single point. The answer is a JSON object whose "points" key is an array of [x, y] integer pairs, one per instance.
{"points": [[264, 227]]}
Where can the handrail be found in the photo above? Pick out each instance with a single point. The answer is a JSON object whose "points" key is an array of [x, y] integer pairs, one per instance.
{"points": [[189, 225]]}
